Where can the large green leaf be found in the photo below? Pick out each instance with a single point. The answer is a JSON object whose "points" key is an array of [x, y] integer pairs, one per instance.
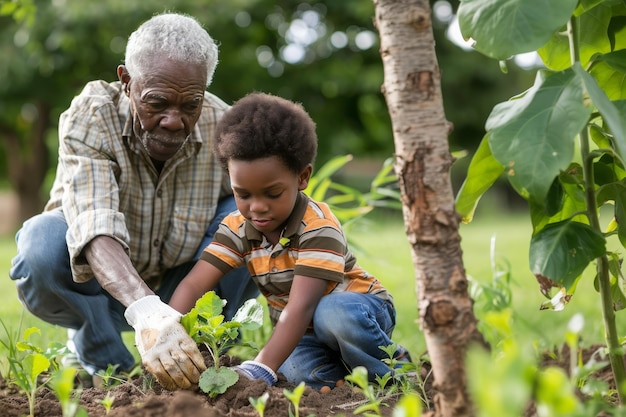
{"points": [[562, 251], [483, 171], [609, 70], [503, 28], [620, 212], [611, 114], [533, 136], [593, 40], [570, 198]]}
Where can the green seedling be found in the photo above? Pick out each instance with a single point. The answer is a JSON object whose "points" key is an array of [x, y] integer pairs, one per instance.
{"points": [[107, 402], [409, 405], [358, 377], [205, 324], [62, 383], [28, 362], [10, 346], [400, 367], [110, 377], [294, 397], [259, 403], [401, 370]]}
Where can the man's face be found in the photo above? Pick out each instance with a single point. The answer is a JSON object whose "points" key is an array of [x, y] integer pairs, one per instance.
{"points": [[166, 102]]}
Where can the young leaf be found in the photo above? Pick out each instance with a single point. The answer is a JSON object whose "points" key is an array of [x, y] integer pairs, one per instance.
{"points": [[249, 315], [483, 171], [216, 381]]}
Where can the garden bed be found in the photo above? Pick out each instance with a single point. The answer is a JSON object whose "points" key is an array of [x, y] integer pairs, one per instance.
{"points": [[143, 397]]}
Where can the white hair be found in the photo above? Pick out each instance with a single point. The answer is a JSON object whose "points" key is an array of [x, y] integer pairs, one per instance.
{"points": [[175, 36]]}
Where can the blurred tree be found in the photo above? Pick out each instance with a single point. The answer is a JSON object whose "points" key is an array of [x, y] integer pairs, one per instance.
{"points": [[323, 54]]}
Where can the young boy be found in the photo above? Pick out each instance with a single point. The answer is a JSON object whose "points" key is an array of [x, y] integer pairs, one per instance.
{"points": [[329, 314]]}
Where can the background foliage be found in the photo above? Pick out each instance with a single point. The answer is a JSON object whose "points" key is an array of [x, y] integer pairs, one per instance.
{"points": [[323, 54]]}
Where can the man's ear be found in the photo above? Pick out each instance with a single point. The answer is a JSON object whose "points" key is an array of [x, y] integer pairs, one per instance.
{"points": [[304, 177], [124, 77]]}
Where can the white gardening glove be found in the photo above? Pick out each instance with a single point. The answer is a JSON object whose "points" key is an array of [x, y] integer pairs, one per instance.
{"points": [[166, 350]]}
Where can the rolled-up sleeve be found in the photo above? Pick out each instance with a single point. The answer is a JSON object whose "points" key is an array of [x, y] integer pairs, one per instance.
{"points": [[90, 191]]}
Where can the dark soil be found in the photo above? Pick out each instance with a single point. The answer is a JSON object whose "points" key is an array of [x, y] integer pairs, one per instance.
{"points": [[143, 397]]}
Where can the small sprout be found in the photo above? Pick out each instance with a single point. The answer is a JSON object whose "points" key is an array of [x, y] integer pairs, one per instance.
{"points": [[259, 403], [294, 397], [358, 377], [107, 402]]}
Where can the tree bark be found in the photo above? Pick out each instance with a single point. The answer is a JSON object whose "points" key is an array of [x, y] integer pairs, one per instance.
{"points": [[412, 90]]}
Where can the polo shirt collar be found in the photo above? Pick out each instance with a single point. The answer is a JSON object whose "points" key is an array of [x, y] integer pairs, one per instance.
{"points": [[293, 223]]}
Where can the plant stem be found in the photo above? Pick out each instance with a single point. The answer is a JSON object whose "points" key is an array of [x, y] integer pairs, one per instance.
{"points": [[604, 283]]}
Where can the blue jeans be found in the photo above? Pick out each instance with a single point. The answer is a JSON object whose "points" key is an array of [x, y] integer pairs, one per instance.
{"points": [[45, 287], [348, 327]]}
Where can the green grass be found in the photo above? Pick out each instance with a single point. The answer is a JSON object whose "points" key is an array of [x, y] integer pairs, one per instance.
{"points": [[388, 257], [386, 254]]}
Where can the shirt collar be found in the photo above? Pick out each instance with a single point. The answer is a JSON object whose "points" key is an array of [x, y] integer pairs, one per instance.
{"points": [[293, 222]]}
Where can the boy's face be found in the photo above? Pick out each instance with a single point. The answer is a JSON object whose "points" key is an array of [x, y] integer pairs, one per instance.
{"points": [[265, 192]]}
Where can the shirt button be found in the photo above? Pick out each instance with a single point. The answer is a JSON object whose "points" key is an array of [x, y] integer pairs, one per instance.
{"points": [[156, 243], [159, 193]]}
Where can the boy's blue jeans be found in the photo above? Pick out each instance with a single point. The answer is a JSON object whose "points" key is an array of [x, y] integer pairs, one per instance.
{"points": [[348, 328], [45, 286]]}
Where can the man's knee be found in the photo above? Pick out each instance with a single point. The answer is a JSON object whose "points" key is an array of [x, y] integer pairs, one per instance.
{"points": [[41, 247]]}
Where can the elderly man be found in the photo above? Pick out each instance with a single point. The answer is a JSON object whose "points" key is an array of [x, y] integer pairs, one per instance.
{"points": [[138, 194]]}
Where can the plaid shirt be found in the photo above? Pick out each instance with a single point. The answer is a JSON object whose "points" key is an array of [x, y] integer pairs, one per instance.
{"points": [[107, 185]]}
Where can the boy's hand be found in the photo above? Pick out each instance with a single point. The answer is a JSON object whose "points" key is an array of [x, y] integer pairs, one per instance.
{"points": [[257, 370], [166, 350]]}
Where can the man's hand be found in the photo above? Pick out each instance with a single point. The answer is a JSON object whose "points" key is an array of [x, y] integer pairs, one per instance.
{"points": [[257, 370], [166, 350]]}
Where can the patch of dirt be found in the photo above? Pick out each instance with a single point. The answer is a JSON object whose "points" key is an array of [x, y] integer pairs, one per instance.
{"points": [[142, 397]]}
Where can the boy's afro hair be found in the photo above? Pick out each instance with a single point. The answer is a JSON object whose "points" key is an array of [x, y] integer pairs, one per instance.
{"points": [[261, 125]]}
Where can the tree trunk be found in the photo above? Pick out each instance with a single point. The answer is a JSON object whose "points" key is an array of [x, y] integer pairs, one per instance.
{"points": [[27, 161], [413, 93]]}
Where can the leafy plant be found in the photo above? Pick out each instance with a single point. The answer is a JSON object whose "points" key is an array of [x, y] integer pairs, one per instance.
{"points": [[348, 203], [28, 362], [577, 104], [62, 383], [358, 377], [205, 324], [409, 405], [10, 345]]}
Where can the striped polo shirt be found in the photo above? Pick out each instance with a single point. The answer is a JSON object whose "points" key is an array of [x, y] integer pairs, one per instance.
{"points": [[312, 244]]}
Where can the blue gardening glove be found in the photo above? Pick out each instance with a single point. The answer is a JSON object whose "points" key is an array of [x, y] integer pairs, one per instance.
{"points": [[257, 370]]}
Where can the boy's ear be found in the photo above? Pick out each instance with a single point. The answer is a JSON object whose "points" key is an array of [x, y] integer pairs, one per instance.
{"points": [[304, 177]]}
